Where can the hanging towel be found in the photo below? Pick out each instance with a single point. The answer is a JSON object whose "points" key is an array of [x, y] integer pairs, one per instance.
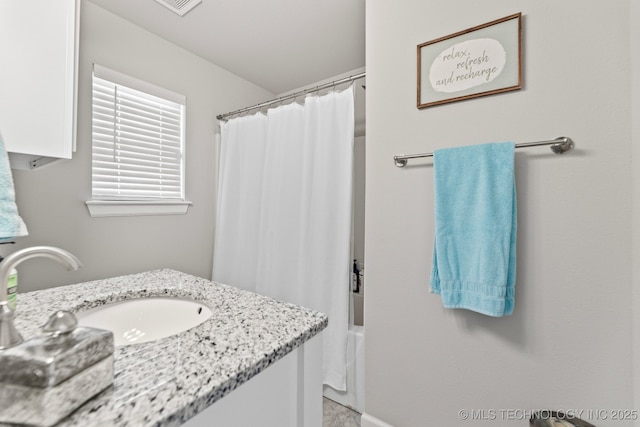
{"points": [[11, 225], [474, 256]]}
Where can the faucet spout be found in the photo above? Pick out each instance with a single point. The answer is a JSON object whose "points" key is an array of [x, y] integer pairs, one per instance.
{"points": [[9, 336]]}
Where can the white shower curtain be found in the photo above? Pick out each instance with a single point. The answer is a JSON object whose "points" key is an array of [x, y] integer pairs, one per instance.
{"points": [[284, 211]]}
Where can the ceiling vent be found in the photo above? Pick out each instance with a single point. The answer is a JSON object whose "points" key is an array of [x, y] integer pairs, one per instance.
{"points": [[179, 7]]}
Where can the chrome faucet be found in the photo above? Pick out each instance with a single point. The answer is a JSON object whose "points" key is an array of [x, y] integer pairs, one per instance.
{"points": [[9, 335]]}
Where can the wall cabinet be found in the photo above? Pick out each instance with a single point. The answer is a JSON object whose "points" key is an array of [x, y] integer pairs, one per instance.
{"points": [[38, 84]]}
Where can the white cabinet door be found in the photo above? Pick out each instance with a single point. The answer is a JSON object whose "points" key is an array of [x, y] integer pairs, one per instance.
{"points": [[286, 394], [38, 62]]}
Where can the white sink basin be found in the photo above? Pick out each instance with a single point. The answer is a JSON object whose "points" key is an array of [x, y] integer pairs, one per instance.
{"points": [[141, 320]]}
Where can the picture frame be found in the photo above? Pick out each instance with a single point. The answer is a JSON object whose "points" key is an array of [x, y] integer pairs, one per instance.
{"points": [[479, 61]]}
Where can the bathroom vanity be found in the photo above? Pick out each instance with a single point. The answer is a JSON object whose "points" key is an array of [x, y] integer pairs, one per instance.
{"points": [[255, 361]]}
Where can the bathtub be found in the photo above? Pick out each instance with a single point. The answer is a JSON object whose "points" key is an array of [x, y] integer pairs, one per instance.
{"points": [[353, 397]]}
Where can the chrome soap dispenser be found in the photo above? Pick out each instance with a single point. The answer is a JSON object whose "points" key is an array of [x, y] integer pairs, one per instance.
{"points": [[46, 377]]}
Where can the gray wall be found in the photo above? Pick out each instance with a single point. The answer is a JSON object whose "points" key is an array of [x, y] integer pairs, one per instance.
{"points": [[51, 199], [569, 343], [634, 18]]}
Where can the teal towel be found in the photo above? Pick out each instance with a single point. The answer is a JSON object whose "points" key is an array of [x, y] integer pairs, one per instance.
{"points": [[11, 225], [474, 256]]}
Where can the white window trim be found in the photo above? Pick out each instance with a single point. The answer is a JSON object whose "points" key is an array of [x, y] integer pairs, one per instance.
{"points": [[103, 208], [110, 208]]}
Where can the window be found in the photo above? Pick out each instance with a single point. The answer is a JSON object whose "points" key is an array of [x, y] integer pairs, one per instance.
{"points": [[138, 147]]}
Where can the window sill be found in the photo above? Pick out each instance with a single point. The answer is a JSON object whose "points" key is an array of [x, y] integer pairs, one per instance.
{"points": [[103, 208]]}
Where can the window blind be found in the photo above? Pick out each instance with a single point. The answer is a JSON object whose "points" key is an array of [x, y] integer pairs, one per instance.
{"points": [[138, 139]]}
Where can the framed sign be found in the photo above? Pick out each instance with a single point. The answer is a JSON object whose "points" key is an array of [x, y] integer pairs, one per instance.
{"points": [[480, 61]]}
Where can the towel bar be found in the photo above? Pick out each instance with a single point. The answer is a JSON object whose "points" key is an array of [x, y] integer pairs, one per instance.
{"points": [[559, 145]]}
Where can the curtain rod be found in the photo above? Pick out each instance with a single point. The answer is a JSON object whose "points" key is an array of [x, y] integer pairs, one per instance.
{"points": [[559, 145], [293, 95]]}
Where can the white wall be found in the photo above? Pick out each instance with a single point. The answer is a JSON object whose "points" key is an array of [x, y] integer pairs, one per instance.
{"points": [[568, 344], [51, 199]]}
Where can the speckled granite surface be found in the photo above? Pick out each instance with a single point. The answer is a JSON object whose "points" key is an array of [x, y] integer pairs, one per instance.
{"points": [[166, 382]]}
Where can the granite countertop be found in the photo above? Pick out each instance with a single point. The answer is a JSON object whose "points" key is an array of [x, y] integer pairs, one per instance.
{"points": [[168, 381]]}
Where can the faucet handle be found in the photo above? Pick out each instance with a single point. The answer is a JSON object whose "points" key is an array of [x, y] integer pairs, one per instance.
{"points": [[9, 335], [60, 323]]}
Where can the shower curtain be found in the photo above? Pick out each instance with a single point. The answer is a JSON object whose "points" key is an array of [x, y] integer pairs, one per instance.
{"points": [[283, 227]]}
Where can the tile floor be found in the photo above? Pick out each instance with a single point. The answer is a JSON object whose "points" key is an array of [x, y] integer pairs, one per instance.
{"points": [[336, 415]]}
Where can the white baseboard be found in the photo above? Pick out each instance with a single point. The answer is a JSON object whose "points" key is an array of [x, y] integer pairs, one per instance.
{"points": [[368, 421]]}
